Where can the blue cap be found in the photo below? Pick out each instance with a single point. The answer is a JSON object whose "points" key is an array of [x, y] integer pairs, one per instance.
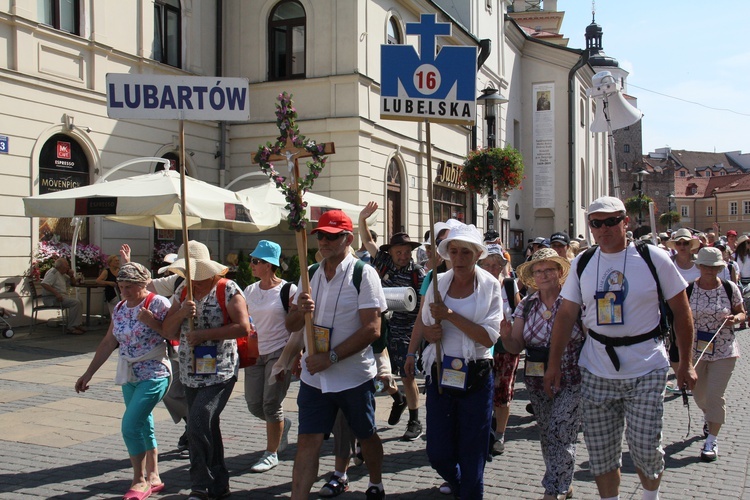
{"points": [[268, 251]]}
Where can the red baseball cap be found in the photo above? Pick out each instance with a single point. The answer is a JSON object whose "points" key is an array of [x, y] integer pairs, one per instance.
{"points": [[731, 232], [334, 221]]}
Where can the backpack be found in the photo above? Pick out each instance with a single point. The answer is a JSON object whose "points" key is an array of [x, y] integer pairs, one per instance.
{"points": [[510, 292], [414, 275], [221, 290], [146, 303], [666, 317], [727, 288]]}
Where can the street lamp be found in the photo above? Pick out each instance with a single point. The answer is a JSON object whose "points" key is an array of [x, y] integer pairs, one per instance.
{"points": [[639, 177], [670, 204], [491, 99]]}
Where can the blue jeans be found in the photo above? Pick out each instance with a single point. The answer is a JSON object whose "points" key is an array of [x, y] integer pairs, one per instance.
{"points": [[458, 437], [208, 471], [138, 421]]}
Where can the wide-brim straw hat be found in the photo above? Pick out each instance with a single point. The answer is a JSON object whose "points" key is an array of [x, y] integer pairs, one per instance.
{"points": [[201, 265], [467, 233], [683, 234], [524, 271], [709, 256], [742, 239]]}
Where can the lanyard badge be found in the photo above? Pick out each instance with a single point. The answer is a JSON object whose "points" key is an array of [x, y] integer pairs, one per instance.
{"points": [[455, 372]]}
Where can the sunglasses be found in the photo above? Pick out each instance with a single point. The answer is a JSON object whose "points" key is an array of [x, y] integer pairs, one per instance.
{"points": [[682, 242], [329, 236], [609, 222], [257, 261]]}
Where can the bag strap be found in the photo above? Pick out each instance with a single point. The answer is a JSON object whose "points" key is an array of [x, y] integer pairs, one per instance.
{"points": [[285, 290], [221, 294], [359, 266], [584, 260], [727, 288], [149, 298], [510, 292]]}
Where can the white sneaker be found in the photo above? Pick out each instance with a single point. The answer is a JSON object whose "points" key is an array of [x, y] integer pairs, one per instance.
{"points": [[267, 462], [710, 452], [285, 435]]}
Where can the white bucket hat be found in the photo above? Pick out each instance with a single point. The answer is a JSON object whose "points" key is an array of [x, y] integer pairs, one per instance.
{"points": [[201, 265], [710, 256], [462, 232]]}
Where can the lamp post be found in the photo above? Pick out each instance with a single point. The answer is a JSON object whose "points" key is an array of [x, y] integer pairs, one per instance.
{"points": [[491, 99], [639, 177], [670, 204]]}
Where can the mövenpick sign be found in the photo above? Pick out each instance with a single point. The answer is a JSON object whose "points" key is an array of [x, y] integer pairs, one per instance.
{"points": [[177, 97]]}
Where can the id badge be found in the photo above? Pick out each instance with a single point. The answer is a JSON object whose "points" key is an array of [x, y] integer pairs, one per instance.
{"points": [[322, 337], [705, 341], [533, 368], [454, 374], [609, 307], [205, 359]]}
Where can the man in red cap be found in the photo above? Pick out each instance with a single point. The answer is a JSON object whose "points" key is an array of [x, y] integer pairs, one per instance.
{"points": [[338, 372]]}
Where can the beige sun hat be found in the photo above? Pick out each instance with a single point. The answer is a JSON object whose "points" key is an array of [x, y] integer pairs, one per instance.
{"points": [[742, 239], [201, 265], [525, 273], [683, 234], [710, 256]]}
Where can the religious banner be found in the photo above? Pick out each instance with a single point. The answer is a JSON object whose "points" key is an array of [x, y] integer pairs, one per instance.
{"points": [[543, 144]]}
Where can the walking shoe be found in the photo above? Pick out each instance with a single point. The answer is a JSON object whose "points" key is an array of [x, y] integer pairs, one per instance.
{"points": [[445, 488], [182, 443], [374, 493], [498, 447], [268, 461], [334, 487], [710, 452], [396, 411], [413, 431], [530, 408], [358, 459], [285, 435]]}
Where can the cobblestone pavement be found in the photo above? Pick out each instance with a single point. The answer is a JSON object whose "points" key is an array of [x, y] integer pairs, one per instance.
{"points": [[55, 443]]}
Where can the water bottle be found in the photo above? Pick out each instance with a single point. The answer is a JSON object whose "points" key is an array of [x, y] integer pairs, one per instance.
{"points": [[379, 386]]}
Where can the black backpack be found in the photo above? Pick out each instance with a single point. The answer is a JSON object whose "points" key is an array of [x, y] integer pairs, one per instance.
{"points": [[727, 288]]}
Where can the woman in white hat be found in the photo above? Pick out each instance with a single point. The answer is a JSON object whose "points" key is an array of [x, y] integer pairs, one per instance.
{"points": [[465, 319], [208, 361], [558, 418], [742, 257], [715, 353]]}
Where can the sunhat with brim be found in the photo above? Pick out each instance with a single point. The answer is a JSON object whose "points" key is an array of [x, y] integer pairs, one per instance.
{"points": [[399, 239], [742, 239], [449, 224], [468, 233], [683, 234], [267, 251], [525, 270], [168, 259], [133, 272], [709, 256], [201, 265]]}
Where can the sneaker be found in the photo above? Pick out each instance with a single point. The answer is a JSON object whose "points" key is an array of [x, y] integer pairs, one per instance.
{"points": [[710, 452], [413, 431], [374, 493], [268, 461], [673, 388], [498, 448], [530, 408], [182, 443], [285, 435], [358, 459], [445, 488], [396, 411], [705, 430], [334, 487]]}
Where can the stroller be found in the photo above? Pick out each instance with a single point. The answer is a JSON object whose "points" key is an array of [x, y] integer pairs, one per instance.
{"points": [[5, 328]]}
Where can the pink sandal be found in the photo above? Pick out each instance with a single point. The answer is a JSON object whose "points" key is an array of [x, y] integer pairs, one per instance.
{"points": [[137, 495]]}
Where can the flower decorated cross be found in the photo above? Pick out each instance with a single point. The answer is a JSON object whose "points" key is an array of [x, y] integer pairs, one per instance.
{"points": [[290, 146]]}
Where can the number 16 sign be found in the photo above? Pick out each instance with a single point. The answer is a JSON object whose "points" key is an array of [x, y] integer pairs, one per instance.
{"points": [[425, 86]]}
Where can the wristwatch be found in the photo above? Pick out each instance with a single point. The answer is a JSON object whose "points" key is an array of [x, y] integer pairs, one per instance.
{"points": [[333, 357]]}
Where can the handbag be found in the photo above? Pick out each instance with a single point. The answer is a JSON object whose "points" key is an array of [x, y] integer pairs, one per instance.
{"points": [[247, 348]]}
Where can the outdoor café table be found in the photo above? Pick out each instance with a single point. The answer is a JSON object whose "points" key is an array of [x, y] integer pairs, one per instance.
{"points": [[88, 285]]}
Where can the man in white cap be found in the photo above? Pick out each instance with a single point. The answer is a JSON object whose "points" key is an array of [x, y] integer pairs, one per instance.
{"points": [[624, 364]]}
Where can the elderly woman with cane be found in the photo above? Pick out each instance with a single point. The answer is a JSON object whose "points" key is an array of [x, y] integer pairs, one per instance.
{"points": [[717, 306], [464, 320], [143, 371], [559, 417]]}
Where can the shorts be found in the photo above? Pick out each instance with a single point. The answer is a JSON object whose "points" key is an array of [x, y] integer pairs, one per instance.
{"points": [[608, 404], [317, 410], [398, 348], [505, 368]]}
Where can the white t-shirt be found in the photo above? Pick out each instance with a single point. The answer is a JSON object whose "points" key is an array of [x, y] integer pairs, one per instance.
{"points": [[640, 308], [267, 311], [334, 308], [744, 265], [691, 274]]}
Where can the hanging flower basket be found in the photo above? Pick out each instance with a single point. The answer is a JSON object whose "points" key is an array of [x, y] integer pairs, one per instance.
{"points": [[637, 204], [498, 168]]}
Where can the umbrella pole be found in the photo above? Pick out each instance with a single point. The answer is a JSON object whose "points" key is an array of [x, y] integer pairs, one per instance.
{"points": [[433, 264], [185, 238], [301, 235]]}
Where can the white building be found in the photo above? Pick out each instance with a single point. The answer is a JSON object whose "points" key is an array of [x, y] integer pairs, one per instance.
{"points": [[327, 54]]}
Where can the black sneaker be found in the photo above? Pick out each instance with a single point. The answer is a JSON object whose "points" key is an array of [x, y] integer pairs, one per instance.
{"points": [[413, 431], [374, 493], [334, 487], [530, 408], [182, 443], [396, 411], [498, 448]]}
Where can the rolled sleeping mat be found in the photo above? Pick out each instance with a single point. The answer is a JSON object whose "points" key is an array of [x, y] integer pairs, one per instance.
{"points": [[401, 299]]}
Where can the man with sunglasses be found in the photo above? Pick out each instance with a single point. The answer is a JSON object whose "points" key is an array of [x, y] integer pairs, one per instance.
{"points": [[624, 363], [338, 376]]}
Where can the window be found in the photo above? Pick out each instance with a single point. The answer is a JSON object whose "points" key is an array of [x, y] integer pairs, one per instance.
{"points": [[732, 208], [64, 15], [168, 32], [626, 148], [746, 207], [394, 33], [685, 211], [709, 210], [286, 41], [682, 173]]}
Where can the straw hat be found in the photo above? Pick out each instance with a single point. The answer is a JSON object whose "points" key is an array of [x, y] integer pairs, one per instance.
{"points": [[201, 265], [525, 273], [742, 239], [709, 256], [469, 234], [683, 234]]}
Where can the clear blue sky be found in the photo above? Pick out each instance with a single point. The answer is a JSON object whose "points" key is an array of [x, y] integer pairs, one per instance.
{"points": [[689, 49]]}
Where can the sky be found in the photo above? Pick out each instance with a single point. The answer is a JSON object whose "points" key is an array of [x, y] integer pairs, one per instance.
{"points": [[678, 51]]}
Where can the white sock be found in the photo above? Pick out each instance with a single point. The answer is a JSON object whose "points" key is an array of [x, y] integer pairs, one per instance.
{"points": [[710, 440], [650, 495], [611, 498], [370, 484], [341, 475]]}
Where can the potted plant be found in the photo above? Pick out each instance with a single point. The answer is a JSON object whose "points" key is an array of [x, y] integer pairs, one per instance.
{"points": [[89, 258], [497, 168], [637, 204], [670, 218]]}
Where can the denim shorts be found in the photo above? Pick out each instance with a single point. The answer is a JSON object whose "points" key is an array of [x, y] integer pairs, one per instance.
{"points": [[317, 410]]}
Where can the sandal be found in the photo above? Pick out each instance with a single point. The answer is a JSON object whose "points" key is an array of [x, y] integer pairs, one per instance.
{"points": [[334, 487]]}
